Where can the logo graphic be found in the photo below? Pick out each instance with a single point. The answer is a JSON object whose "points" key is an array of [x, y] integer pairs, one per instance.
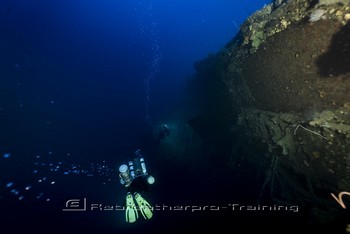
{"points": [[75, 205]]}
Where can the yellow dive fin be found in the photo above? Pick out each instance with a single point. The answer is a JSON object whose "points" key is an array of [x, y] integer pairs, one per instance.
{"points": [[144, 207], [131, 214]]}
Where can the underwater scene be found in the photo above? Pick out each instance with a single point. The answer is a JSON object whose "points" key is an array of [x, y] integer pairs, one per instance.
{"points": [[163, 116]]}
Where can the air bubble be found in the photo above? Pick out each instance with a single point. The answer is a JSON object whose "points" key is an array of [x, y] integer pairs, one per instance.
{"points": [[49, 169], [14, 191]]}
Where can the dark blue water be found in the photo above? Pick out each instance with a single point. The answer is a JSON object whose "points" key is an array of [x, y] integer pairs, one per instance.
{"points": [[81, 82]]}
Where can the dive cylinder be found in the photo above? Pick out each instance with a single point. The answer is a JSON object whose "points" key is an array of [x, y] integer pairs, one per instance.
{"points": [[143, 166], [125, 175], [131, 168]]}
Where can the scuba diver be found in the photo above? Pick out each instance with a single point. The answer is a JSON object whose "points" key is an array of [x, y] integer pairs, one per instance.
{"points": [[164, 131], [136, 180]]}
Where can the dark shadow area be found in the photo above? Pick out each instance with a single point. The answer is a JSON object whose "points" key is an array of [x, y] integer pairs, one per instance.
{"points": [[336, 60]]}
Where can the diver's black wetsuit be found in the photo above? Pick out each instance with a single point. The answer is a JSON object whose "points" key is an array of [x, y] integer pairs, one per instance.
{"points": [[139, 184]]}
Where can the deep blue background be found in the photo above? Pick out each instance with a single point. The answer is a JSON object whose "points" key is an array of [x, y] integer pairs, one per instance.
{"points": [[90, 58], [72, 73]]}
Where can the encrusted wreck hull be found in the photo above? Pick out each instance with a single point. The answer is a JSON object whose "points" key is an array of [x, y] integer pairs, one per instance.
{"points": [[284, 84]]}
